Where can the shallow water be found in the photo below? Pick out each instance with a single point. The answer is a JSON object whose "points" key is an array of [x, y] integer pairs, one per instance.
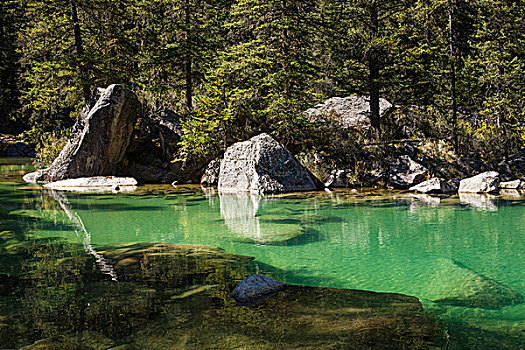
{"points": [[463, 257]]}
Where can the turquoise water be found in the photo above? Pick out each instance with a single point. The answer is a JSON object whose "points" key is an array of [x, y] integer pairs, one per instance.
{"points": [[463, 257]]}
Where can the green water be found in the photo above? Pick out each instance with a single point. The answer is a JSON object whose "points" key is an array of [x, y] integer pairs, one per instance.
{"points": [[463, 257]]}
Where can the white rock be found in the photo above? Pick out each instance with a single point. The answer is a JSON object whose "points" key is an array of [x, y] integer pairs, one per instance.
{"points": [[482, 183]]}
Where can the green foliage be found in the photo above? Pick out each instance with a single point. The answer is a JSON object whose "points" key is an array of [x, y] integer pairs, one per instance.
{"points": [[235, 68], [50, 146]]}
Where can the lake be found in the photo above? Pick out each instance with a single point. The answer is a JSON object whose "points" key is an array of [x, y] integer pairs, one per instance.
{"points": [[462, 256]]}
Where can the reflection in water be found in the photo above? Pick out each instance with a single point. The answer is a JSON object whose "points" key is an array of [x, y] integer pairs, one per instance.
{"points": [[239, 211], [80, 229], [246, 217], [478, 201], [417, 200]]}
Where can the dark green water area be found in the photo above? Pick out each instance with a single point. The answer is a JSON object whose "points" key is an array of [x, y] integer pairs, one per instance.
{"points": [[154, 269]]}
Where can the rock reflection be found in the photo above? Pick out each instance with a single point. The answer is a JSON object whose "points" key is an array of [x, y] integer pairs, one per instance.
{"points": [[80, 230], [418, 200], [478, 201], [512, 193], [243, 214]]}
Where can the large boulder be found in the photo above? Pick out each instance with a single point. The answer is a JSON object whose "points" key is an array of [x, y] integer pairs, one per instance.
{"points": [[350, 112], [100, 138], [434, 185], [404, 173], [262, 165], [482, 183]]}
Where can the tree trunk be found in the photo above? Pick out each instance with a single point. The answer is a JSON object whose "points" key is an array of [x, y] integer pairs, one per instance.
{"points": [[80, 53], [453, 59], [373, 69], [187, 63]]}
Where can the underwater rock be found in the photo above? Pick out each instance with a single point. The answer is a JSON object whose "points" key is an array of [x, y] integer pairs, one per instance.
{"points": [[457, 285], [256, 288], [435, 185], [482, 183], [417, 200], [262, 165], [172, 265], [99, 140]]}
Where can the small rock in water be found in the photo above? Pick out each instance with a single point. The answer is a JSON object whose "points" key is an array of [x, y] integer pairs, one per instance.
{"points": [[256, 288]]}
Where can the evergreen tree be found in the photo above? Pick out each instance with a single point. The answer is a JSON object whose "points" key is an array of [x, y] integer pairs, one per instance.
{"points": [[10, 20]]}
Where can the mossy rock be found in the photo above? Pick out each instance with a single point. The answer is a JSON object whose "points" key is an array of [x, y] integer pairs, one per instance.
{"points": [[296, 318]]}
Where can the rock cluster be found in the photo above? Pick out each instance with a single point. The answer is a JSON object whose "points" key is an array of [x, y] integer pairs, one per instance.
{"points": [[211, 173]]}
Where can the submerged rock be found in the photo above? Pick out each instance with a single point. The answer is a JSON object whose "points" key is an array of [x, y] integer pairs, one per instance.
{"points": [[435, 185], [482, 183], [256, 288], [99, 140], [404, 172], [350, 112], [262, 165], [457, 285]]}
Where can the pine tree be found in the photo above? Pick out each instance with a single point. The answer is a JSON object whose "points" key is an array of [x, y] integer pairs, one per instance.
{"points": [[10, 19]]}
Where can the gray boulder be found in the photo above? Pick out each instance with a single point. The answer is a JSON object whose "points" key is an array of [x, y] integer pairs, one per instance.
{"points": [[404, 173], [262, 165], [350, 112], [256, 288], [482, 183], [100, 138], [339, 178], [512, 185], [434, 185], [211, 173]]}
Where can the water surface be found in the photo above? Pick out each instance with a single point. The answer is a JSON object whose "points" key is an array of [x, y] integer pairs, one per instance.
{"points": [[461, 256]]}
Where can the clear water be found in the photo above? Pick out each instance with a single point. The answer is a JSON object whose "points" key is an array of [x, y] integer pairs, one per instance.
{"points": [[436, 248]]}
